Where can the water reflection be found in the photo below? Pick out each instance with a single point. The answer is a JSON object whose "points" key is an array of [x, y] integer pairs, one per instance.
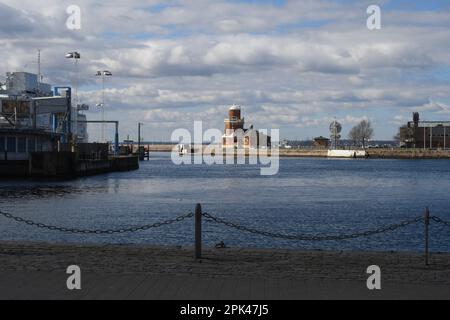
{"points": [[34, 192], [314, 196]]}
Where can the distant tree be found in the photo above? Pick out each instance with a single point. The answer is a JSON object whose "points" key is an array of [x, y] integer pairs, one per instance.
{"points": [[354, 136], [398, 136], [361, 133]]}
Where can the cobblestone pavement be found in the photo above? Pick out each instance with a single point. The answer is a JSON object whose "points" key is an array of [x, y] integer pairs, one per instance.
{"points": [[225, 268]]}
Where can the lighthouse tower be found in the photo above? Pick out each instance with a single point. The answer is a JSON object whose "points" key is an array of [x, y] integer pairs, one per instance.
{"points": [[232, 123]]}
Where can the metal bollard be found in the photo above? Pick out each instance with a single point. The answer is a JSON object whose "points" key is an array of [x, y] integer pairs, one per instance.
{"points": [[427, 233], [198, 231]]}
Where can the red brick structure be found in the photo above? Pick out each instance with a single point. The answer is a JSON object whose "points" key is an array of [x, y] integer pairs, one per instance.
{"points": [[425, 134], [236, 136]]}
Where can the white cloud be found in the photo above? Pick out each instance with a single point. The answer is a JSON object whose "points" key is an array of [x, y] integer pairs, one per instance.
{"points": [[435, 107], [295, 66]]}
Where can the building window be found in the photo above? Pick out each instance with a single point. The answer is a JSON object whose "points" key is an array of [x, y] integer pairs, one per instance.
{"points": [[11, 144], [2, 144], [31, 145], [22, 145]]}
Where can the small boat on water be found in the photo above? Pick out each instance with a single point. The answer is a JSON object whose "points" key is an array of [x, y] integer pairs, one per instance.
{"points": [[184, 149]]}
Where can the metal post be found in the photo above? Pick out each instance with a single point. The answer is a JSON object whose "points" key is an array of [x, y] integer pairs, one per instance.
{"points": [[198, 231], [424, 138], [75, 129], [445, 138], [69, 118], [139, 139], [116, 140], [103, 107], [39, 71], [15, 115], [431, 137], [427, 227]]}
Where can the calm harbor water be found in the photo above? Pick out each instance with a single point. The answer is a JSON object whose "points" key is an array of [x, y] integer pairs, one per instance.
{"points": [[311, 196]]}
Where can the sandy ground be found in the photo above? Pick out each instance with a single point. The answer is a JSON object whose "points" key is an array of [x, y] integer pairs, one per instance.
{"points": [[234, 273]]}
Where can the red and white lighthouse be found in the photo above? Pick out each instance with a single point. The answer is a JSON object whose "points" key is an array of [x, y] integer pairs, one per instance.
{"points": [[233, 123]]}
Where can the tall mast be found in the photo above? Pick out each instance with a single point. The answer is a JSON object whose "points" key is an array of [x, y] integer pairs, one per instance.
{"points": [[39, 70]]}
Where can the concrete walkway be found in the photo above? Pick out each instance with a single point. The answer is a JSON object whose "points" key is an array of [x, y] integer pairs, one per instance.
{"points": [[52, 285], [38, 271]]}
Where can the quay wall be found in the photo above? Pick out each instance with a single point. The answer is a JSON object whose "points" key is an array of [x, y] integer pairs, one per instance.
{"points": [[304, 153], [66, 165], [52, 164], [373, 153], [128, 163], [393, 153], [14, 168], [114, 164], [91, 167], [161, 148], [408, 154], [283, 152]]}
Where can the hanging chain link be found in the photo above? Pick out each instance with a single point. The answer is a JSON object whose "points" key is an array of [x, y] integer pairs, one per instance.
{"points": [[439, 220], [98, 231], [210, 218], [316, 237]]}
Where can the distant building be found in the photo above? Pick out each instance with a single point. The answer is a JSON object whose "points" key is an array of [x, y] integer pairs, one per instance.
{"points": [[425, 134], [81, 131], [233, 123], [236, 136], [321, 142], [33, 118], [24, 83], [19, 144], [26, 103], [30, 125]]}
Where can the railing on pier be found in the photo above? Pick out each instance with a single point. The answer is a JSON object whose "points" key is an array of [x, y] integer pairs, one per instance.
{"points": [[198, 216]]}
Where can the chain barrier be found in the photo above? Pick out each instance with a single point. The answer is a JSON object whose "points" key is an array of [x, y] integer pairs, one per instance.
{"points": [[368, 233], [210, 218], [98, 231], [439, 220]]}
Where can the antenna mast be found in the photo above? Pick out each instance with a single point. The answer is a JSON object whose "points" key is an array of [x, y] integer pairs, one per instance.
{"points": [[39, 70]]}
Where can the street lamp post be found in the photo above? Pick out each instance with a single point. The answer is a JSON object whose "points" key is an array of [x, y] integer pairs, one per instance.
{"points": [[103, 74], [76, 56], [139, 139], [445, 137]]}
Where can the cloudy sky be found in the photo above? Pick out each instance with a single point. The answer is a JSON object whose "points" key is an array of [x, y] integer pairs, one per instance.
{"points": [[291, 64]]}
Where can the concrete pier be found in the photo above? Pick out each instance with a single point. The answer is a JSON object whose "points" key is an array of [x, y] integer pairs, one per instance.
{"points": [[66, 165], [395, 153]]}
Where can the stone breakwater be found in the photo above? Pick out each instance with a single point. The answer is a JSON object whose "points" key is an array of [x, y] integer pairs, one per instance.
{"points": [[322, 153], [374, 153], [408, 154], [406, 268]]}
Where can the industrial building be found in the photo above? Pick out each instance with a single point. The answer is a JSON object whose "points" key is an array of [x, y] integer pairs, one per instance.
{"points": [[32, 117], [236, 136], [425, 134], [25, 103], [42, 134], [18, 84]]}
